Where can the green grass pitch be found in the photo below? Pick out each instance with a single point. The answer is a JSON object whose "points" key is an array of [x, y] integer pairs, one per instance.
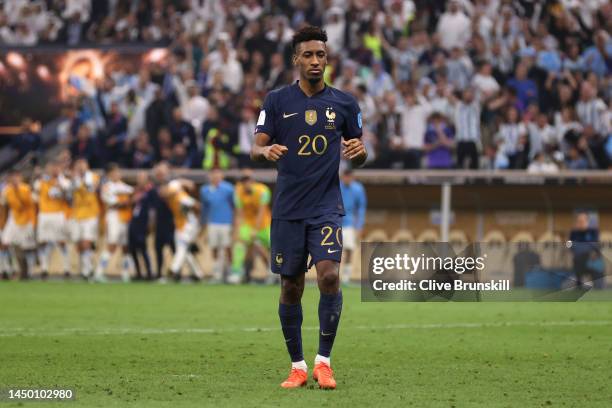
{"points": [[170, 345]]}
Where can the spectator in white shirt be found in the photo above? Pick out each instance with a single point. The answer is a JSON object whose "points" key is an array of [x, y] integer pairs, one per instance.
{"points": [[335, 25], [565, 121], [485, 83], [414, 114], [591, 109], [80, 8], [512, 139], [542, 136], [195, 109], [228, 66], [542, 164], [454, 27]]}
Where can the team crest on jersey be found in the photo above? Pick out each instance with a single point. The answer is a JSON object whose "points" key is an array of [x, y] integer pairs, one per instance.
{"points": [[279, 259], [331, 117], [311, 116]]}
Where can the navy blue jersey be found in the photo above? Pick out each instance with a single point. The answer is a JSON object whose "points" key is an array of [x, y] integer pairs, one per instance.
{"points": [[139, 224], [164, 221], [312, 128]]}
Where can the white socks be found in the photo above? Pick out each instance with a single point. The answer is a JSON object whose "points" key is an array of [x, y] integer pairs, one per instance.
{"points": [[193, 264], [65, 258], [30, 258], [126, 266], [44, 253], [321, 359], [300, 365], [102, 264], [86, 262]]}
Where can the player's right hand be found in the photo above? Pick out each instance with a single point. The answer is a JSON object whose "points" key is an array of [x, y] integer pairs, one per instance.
{"points": [[274, 152]]}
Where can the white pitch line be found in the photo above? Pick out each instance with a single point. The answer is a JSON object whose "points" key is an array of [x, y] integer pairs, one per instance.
{"points": [[20, 331]]}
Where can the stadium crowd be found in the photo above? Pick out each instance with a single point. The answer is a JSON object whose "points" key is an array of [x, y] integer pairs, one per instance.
{"points": [[493, 84]]}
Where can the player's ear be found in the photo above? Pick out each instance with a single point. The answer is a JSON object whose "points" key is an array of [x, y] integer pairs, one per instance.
{"points": [[294, 59]]}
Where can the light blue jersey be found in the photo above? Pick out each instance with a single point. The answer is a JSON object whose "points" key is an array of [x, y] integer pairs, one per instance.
{"points": [[217, 203], [355, 203]]}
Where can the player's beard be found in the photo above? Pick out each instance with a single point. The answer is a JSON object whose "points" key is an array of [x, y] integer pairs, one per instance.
{"points": [[313, 80]]}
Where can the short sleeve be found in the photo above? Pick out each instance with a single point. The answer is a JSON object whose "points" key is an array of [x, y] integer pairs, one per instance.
{"points": [[353, 122], [265, 121]]}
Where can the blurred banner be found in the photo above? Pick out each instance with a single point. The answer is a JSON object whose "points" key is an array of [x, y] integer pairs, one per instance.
{"points": [[37, 83], [474, 272]]}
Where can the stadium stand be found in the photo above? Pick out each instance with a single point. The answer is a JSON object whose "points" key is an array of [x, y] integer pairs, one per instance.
{"points": [[515, 84]]}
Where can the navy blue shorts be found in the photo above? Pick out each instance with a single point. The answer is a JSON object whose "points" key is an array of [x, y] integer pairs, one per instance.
{"points": [[292, 242]]}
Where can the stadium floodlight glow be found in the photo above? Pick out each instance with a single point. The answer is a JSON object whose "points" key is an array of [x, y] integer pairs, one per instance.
{"points": [[43, 72], [156, 55], [16, 60]]}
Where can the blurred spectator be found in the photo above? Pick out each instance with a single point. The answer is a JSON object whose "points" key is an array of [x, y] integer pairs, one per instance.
{"points": [[542, 136], [141, 153], [439, 143], [245, 137], [575, 159], [217, 145], [379, 81], [484, 81], [114, 136], [467, 126], [29, 138], [414, 115], [584, 239], [183, 133], [590, 109], [542, 164], [512, 140], [196, 108], [84, 147], [526, 89], [454, 27]]}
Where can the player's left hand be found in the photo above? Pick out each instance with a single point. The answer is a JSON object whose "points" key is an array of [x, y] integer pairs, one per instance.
{"points": [[353, 148]]}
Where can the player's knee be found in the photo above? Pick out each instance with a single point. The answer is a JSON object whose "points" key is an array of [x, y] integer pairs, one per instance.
{"points": [[290, 291], [329, 278]]}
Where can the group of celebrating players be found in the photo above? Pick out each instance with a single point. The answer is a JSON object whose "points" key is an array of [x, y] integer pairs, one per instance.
{"points": [[66, 205]]}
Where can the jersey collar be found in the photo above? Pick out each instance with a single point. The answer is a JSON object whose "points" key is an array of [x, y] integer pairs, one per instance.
{"points": [[321, 92]]}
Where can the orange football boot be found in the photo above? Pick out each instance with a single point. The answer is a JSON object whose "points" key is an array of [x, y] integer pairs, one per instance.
{"points": [[324, 375], [297, 378]]}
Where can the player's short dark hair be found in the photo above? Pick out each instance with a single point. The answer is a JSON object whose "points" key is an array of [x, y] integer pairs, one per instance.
{"points": [[308, 33]]}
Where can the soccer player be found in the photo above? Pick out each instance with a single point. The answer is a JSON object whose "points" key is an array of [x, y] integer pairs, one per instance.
{"points": [[355, 202], [251, 226], [186, 223], [117, 196], [51, 193], [19, 230], [139, 224], [6, 259], [217, 216], [301, 128], [164, 221], [85, 213]]}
